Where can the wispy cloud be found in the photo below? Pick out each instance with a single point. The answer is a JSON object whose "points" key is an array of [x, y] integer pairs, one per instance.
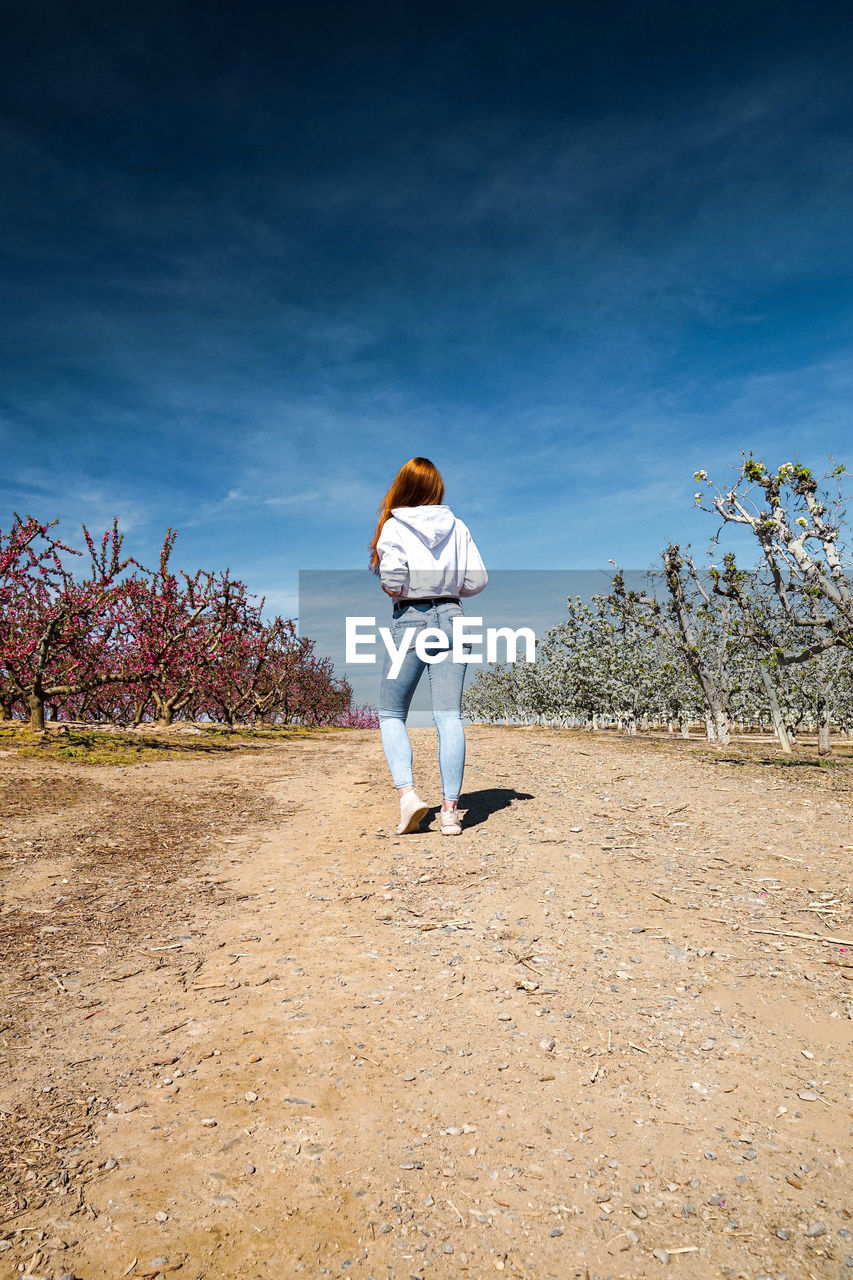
{"points": [[238, 306]]}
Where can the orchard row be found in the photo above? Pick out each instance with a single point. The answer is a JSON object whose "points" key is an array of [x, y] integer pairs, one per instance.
{"points": [[771, 645], [93, 635]]}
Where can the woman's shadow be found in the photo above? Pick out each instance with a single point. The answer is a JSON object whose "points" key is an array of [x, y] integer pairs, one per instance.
{"points": [[478, 806]]}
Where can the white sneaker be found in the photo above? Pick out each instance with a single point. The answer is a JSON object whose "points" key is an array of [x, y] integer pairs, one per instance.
{"points": [[449, 823], [412, 812]]}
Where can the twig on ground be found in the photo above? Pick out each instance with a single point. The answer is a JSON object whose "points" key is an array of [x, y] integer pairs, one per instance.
{"points": [[807, 937], [456, 1211], [121, 976]]}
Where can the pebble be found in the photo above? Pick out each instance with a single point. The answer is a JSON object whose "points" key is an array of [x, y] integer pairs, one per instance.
{"points": [[447, 1248], [160, 1216], [816, 1229], [110, 1164], [547, 1045], [429, 1202], [660, 1254], [250, 1168], [504, 1017], [782, 1234], [409, 1078], [807, 1095], [710, 1155], [639, 1211], [224, 1198], [250, 1097], [159, 1261], [750, 1154], [809, 975], [209, 1123], [848, 1261], [256, 1057], [558, 1231]]}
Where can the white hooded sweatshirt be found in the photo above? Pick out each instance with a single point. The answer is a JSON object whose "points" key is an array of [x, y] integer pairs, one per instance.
{"points": [[426, 552]]}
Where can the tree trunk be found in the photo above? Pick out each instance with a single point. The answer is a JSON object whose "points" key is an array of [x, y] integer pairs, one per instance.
{"points": [[36, 705], [717, 723], [721, 724], [166, 707], [824, 745], [775, 710]]}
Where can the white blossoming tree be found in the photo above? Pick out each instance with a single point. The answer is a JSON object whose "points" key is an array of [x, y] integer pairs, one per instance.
{"points": [[753, 648], [693, 623], [798, 522]]}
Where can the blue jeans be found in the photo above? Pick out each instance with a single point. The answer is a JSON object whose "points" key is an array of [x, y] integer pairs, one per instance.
{"points": [[446, 679]]}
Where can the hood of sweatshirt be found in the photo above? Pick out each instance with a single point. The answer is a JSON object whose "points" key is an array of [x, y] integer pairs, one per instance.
{"points": [[432, 524]]}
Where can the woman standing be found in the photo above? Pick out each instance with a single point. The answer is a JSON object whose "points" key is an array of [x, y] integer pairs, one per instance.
{"points": [[427, 561]]}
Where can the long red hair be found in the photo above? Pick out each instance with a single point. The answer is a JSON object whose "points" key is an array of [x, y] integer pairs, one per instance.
{"points": [[418, 483]]}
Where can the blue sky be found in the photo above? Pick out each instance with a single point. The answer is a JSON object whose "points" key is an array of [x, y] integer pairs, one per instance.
{"points": [[254, 257]]}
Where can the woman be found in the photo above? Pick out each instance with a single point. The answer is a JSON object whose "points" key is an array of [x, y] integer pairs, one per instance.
{"points": [[426, 560]]}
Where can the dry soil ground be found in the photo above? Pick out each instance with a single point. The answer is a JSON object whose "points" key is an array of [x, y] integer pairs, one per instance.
{"points": [[246, 1031]]}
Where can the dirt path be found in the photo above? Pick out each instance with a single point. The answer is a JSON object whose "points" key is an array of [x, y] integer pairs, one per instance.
{"points": [[552, 1047]]}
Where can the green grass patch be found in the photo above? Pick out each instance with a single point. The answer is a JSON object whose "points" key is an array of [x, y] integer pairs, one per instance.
{"points": [[109, 746]]}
